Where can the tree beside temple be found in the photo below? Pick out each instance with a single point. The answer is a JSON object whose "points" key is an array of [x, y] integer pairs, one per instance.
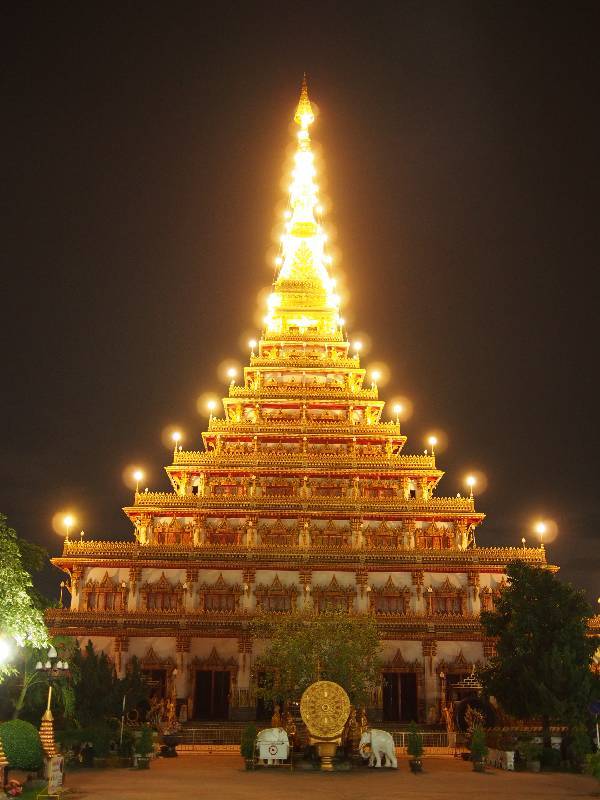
{"points": [[304, 647], [21, 621], [542, 665]]}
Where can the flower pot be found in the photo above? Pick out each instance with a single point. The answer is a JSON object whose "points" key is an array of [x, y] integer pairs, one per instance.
{"points": [[143, 762], [249, 763], [416, 765], [479, 765], [533, 766]]}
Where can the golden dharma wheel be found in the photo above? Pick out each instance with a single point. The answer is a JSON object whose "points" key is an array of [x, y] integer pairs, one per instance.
{"points": [[324, 709]]}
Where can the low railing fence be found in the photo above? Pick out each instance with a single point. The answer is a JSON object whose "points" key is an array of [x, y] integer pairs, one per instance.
{"points": [[231, 734]]}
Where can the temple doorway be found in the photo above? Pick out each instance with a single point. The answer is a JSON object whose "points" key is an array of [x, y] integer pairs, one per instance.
{"points": [[211, 697], [400, 696]]}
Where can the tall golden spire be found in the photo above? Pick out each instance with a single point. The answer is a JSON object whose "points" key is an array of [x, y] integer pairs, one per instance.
{"points": [[304, 297], [304, 114]]}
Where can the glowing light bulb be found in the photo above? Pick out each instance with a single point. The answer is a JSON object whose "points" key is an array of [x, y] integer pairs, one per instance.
{"points": [[357, 347], [375, 375], [278, 261], [540, 528], [176, 436], [252, 344], [4, 650], [138, 475], [211, 405], [432, 441], [471, 481], [397, 409]]}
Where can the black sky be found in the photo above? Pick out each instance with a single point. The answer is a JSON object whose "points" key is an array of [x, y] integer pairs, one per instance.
{"points": [[143, 153]]}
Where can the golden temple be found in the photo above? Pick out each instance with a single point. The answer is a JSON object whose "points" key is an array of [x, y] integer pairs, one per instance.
{"points": [[301, 497]]}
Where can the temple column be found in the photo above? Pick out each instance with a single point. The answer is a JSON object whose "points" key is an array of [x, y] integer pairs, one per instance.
{"points": [[76, 581], [249, 576], [305, 582], [182, 679], [417, 582], [431, 681], [363, 591], [121, 646], [358, 539], [243, 705], [135, 577], [474, 602], [191, 579]]}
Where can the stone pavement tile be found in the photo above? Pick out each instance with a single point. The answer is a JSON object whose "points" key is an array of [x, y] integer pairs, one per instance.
{"points": [[224, 778]]}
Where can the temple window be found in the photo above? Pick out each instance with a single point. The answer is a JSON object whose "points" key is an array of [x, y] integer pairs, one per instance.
{"points": [[382, 536], [223, 535], [277, 535], [219, 596], [331, 536], [173, 533], [333, 597], [390, 599], [106, 595], [434, 537], [446, 599], [162, 595], [276, 598]]}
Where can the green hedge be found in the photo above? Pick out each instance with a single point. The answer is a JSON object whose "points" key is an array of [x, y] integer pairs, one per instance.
{"points": [[22, 745]]}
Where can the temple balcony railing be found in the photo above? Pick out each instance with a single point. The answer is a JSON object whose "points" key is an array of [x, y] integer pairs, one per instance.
{"points": [[138, 615], [314, 391], [401, 555], [308, 426], [292, 361], [316, 457], [298, 501]]}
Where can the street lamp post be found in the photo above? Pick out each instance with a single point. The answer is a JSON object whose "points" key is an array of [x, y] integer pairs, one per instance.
{"points": [[53, 668]]}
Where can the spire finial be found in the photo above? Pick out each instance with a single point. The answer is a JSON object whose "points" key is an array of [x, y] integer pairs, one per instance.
{"points": [[304, 114]]}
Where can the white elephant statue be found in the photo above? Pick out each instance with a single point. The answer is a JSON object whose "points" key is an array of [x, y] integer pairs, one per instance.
{"points": [[273, 745], [379, 743]]}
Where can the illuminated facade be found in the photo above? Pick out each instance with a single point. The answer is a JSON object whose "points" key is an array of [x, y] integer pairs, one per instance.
{"points": [[302, 497]]}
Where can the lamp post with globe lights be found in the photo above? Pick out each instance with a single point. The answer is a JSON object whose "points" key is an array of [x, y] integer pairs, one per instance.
{"points": [[432, 441], [53, 668]]}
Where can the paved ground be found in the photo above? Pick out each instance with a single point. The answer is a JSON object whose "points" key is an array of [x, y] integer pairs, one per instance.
{"points": [[223, 778]]}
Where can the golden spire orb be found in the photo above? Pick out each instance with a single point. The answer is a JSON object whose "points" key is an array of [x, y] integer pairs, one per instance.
{"points": [[304, 114]]}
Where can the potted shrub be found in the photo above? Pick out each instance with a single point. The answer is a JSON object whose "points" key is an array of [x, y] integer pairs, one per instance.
{"points": [[478, 749], [415, 748], [532, 753], [126, 748], [247, 741], [144, 748], [100, 736]]}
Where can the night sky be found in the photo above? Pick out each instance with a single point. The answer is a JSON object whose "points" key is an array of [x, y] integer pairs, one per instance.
{"points": [[143, 154]]}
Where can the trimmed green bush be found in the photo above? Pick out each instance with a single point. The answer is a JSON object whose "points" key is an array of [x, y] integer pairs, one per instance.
{"points": [[22, 745], [100, 736], [144, 743], [479, 748], [247, 741], [414, 744]]}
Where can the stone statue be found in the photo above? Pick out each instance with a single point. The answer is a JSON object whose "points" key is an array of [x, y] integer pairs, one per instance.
{"points": [[276, 718], [374, 744]]}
